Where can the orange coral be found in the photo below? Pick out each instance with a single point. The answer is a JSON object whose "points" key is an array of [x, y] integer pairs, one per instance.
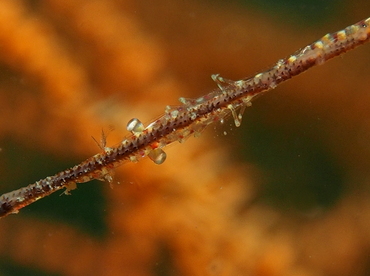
{"points": [[83, 65]]}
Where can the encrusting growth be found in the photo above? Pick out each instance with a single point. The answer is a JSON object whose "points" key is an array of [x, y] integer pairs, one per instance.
{"points": [[190, 118]]}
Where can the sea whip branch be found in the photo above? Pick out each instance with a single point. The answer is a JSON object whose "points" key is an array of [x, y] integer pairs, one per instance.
{"points": [[189, 118]]}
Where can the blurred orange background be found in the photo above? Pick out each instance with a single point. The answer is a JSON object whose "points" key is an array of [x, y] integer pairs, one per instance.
{"points": [[284, 194]]}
